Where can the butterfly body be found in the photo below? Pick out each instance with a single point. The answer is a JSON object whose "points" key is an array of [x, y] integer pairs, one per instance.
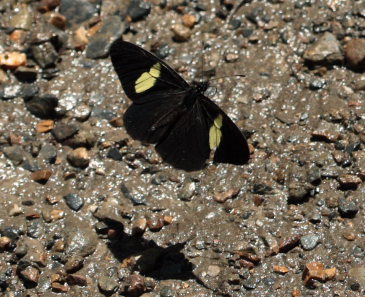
{"points": [[184, 124]]}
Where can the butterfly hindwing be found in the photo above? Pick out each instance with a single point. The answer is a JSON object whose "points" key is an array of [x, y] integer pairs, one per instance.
{"points": [[186, 146], [224, 136], [141, 73]]}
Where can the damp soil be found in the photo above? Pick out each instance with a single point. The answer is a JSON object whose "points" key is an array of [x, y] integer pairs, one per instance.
{"points": [[88, 211]]}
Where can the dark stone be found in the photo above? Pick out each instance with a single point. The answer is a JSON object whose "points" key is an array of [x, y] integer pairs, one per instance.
{"points": [[317, 84], [49, 73], [36, 229], [114, 154], [78, 11], [44, 54], [100, 43], [63, 131], [26, 74], [103, 114], [247, 32], [138, 10], [42, 107], [48, 153], [14, 153], [347, 208], [28, 91], [162, 51], [74, 201]]}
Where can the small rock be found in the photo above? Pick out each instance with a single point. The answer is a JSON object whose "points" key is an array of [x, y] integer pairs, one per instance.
{"points": [[48, 153], [107, 284], [74, 264], [23, 19], [15, 210], [298, 191], [81, 112], [349, 181], [181, 33], [74, 201], [79, 157], [56, 19], [224, 196], [325, 49], [64, 131], [42, 107], [187, 191], [44, 54], [78, 11], [347, 208], [281, 269], [81, 241], [45, 126], [289, 243], [48, 5], [15, 153], [133, 194], [41, 176], [139, 226], [30, 274], [355, 54], [189, 20], [358, 275], [80, 39], [138, 10], [58, 287], [26, 74], [155, 223], [76, 280], [313, 271], [136, 285], [53, 215], [28, 91], [114, 154], [4, 242], [309, 242], [99, 45]]}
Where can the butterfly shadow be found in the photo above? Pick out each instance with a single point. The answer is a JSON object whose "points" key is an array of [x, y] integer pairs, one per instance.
{"points": [[150, 259]]}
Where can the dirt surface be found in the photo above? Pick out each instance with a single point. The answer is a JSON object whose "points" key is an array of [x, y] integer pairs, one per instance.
{"points": [[88, 211]]}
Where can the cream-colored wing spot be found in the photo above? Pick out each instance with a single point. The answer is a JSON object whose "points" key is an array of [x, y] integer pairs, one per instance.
{"points": [[215, 133], [148, 79]]}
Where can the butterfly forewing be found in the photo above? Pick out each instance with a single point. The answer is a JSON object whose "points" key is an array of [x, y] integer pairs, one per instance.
{"points": [[141, 73]]}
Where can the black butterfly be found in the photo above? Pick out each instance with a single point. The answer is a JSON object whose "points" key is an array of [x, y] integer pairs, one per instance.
{"points": [[184, 124]]}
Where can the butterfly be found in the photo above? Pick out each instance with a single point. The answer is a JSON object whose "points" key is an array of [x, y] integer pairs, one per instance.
{"points": [[176, 116]]}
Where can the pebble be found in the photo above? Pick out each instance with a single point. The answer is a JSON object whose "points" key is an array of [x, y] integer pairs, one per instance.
{"points": [[155, 223], [355, 54], [44, 54], [326, 49], [15, 210], [138, 10], [26, 74], [64, 131], [84, 138], [81, 241], [115, 154], [81, 112], [181, 33], [112, 28], [347, 208], [73, 264], [74, 201], [41, 176], [48, 153], [224, 196], [45, 126], [189, 20], [281, 269], [299, 191], [187, 191], [358, 274], [42, 106], [58, 287], [316, 271], [309, 241], [30, 274], [139, 226], [15, 153], [23, 19], [4, 242], [78, 11], [136, 285], [80, 38], [133, 194], [289, 243], [48, 5], [349, 181], [76, 280], [107, 285], [53, 215]]}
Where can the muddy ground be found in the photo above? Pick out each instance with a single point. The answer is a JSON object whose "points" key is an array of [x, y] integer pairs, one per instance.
{"points": [[88, 211]]}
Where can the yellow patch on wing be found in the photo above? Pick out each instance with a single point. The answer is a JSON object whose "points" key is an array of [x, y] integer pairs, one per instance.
{"points": [[148, 79], [215, 133]]}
